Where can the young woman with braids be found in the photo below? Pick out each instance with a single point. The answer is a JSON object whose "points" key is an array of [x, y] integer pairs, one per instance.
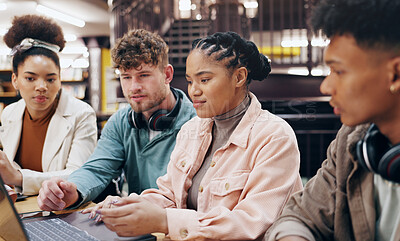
{"points": [[233, 167], [48, 132]]}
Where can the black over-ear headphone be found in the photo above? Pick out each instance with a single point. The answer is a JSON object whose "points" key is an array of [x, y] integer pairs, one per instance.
{"points": [[159, 120], [376, 154]]}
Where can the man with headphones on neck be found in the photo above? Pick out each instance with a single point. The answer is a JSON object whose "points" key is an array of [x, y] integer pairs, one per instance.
{"points": [[138, 139], [355, 195]]}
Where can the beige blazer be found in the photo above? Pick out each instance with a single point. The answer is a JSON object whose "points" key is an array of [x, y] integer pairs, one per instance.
{"points": [[70, 139]]}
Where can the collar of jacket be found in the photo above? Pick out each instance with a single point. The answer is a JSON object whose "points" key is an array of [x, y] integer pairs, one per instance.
{"points": [[359, 189], [62, 108], [354, 137]]}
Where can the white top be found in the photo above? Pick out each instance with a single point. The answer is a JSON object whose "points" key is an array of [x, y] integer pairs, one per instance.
{"points": [[387, 202], [70, 139]]}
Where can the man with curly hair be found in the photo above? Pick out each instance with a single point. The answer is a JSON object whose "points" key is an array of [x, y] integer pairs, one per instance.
{"points": [[355, 195], [138, 139]]}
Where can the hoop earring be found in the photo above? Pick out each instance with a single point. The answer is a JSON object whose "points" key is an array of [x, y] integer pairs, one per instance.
{"points": [[393, 89]]}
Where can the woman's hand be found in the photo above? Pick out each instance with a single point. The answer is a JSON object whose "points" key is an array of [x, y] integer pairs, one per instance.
{"points": [[10, 175], [107, 203], [11, 193], [133, 216]]}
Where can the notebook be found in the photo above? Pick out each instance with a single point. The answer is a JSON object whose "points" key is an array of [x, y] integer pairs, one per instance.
{"points": [[72, 226]]}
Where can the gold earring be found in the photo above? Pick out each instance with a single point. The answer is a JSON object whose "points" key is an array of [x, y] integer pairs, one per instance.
{"points": [[393, 89]]}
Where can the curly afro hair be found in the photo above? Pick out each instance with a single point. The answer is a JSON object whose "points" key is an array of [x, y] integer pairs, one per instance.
{"points": [[36, 27]]}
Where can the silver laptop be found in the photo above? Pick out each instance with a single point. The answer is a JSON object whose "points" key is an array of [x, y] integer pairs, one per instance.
{"points": [[73, 226]]}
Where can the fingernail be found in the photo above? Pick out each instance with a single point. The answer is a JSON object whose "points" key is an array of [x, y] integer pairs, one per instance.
{"points": [[98, 219]]}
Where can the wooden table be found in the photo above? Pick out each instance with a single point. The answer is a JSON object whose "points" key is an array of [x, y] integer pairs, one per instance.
{"points": [[30, 205], [27, 205]]}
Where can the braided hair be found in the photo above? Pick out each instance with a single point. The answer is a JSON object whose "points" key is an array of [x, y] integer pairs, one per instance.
{"points": [[238, 51]]}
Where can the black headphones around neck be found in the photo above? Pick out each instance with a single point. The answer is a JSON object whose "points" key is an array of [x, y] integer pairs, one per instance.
{"points": [[159, 120], [376, 154]]}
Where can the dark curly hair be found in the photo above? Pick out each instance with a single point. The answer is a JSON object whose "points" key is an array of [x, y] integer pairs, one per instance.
{"points": [[35, 27], [239, 52], [373, 23], [139, 46]]}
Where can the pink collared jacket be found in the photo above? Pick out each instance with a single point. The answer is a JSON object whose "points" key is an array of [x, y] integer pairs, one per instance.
{"points": [[249, 180]]}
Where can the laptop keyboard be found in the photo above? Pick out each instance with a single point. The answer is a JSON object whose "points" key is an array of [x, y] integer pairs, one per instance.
{"points": [[55, 229]]}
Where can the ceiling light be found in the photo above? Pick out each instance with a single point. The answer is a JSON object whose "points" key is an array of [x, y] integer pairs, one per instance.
{"points": [[319, 42], [60, 16], [69, 37], [80, 63], [315, 42], [65, 63], [74, 50], [251, 4], [298, 71], [3, 31], [3, 6], [295, 43], [185, 5], [4, 51], [317, 72]]}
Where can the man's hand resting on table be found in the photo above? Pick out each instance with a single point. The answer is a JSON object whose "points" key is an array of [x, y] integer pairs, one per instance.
{"points": [[57, 194], [11, 193]]}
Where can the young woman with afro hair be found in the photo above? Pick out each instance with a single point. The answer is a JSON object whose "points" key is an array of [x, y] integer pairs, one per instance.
{"points": [[47, 132]]}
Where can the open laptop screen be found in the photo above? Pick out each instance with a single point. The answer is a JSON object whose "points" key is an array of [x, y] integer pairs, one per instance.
{"points": [[10, 224], [11, 227]]}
